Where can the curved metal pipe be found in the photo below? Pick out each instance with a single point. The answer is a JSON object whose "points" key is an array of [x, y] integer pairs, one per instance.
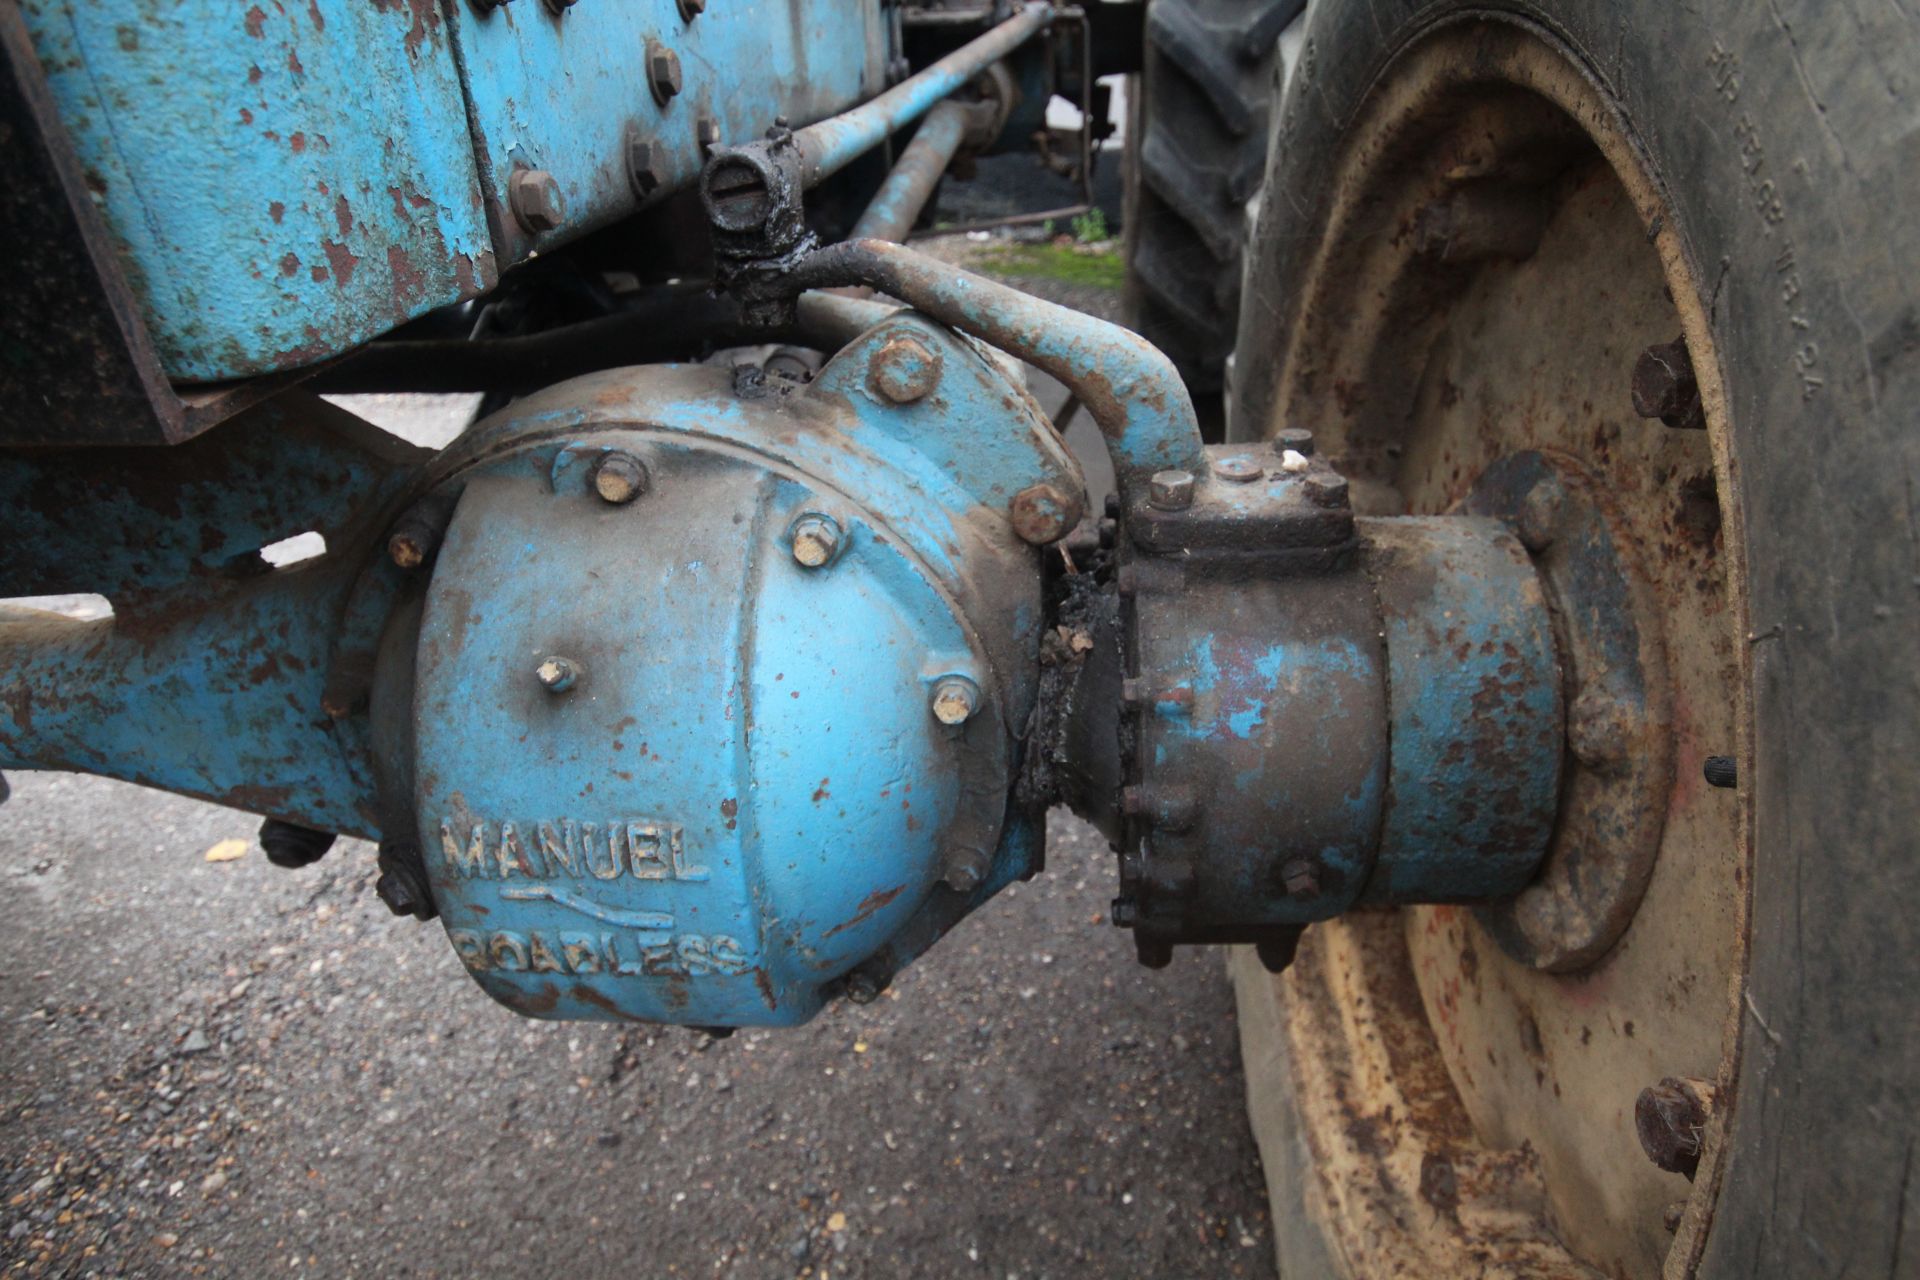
{"points": [[1131, 390]]}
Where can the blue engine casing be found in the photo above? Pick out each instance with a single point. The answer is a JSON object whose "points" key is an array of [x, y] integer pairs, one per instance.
{"points": [[743, 794]]}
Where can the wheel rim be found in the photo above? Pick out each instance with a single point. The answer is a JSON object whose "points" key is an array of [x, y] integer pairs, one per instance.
{"points": [[1495, 259]]}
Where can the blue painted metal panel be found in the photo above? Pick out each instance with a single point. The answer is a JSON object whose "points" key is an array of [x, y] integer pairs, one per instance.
{"points": [[284, 181], [744, 794], [566, 92], [1475, 717]]}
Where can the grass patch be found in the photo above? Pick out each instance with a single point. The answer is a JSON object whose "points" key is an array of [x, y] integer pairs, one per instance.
{"points": [[1069, 264]]}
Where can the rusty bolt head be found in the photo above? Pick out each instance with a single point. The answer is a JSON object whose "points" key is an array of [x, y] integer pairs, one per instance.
{"points": [[904, 369], [1170, 490], [1663, 382], [706, 133], [816, 540], [410, 544], [1599, 729], [1298, 439], [1325, 488], [644, 163], [404, 894], [955, 699], [619, 478], [1671, 1118], [557, 674], [1301, 878], [965, 872], [861, 988], [691, 9], [663, 72], [1042, 513], [291, 846], [1238, 470], [1539, 513], [1124, 913], [534, 196]]}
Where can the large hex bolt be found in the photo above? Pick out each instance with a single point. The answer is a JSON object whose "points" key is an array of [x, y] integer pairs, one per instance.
{"points": [[534, 196], [1671, 1118], [557, 674], [619, 477], [955, 699], [663, 72], [1539, 513], [1664, 386], [904, 369], [403, 883], [291, 846], [1170, 490], [645, 162], [816, 540], [1042, 513]]}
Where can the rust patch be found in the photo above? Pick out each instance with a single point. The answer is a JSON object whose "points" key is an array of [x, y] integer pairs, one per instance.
{"points": [[256, 22], [868, 905], [343, 262]]}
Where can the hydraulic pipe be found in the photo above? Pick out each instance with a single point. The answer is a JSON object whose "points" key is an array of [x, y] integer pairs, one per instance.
{"points": [[831, 144], [905, 193], [1132, 391]]}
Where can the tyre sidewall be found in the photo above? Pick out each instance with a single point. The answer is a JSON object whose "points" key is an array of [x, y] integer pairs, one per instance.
{"points": [[1786, 155]]}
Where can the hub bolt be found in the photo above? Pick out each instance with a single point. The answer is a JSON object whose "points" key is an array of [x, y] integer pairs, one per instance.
{"points": [[816, 540], [955, 699], [1170, 490], [619, 478], [861, 988], [1664, 386], [1671, 1118], [557, 674], [534, 196]]}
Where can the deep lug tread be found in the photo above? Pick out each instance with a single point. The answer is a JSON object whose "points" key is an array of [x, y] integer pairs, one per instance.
{"points": [[1198, 156]]}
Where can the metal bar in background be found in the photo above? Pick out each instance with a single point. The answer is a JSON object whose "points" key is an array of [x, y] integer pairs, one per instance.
{"points": [[895, 207], [830, 145]]}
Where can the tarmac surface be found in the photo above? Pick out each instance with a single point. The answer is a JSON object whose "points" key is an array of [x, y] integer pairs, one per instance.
{"points": [[222, 1068]]}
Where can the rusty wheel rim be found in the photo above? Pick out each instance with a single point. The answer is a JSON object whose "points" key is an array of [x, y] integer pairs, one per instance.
{"points": [[1496, 258]]}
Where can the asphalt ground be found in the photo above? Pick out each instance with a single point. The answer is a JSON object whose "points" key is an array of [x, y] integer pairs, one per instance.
{"points": [[222, 1068]]}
